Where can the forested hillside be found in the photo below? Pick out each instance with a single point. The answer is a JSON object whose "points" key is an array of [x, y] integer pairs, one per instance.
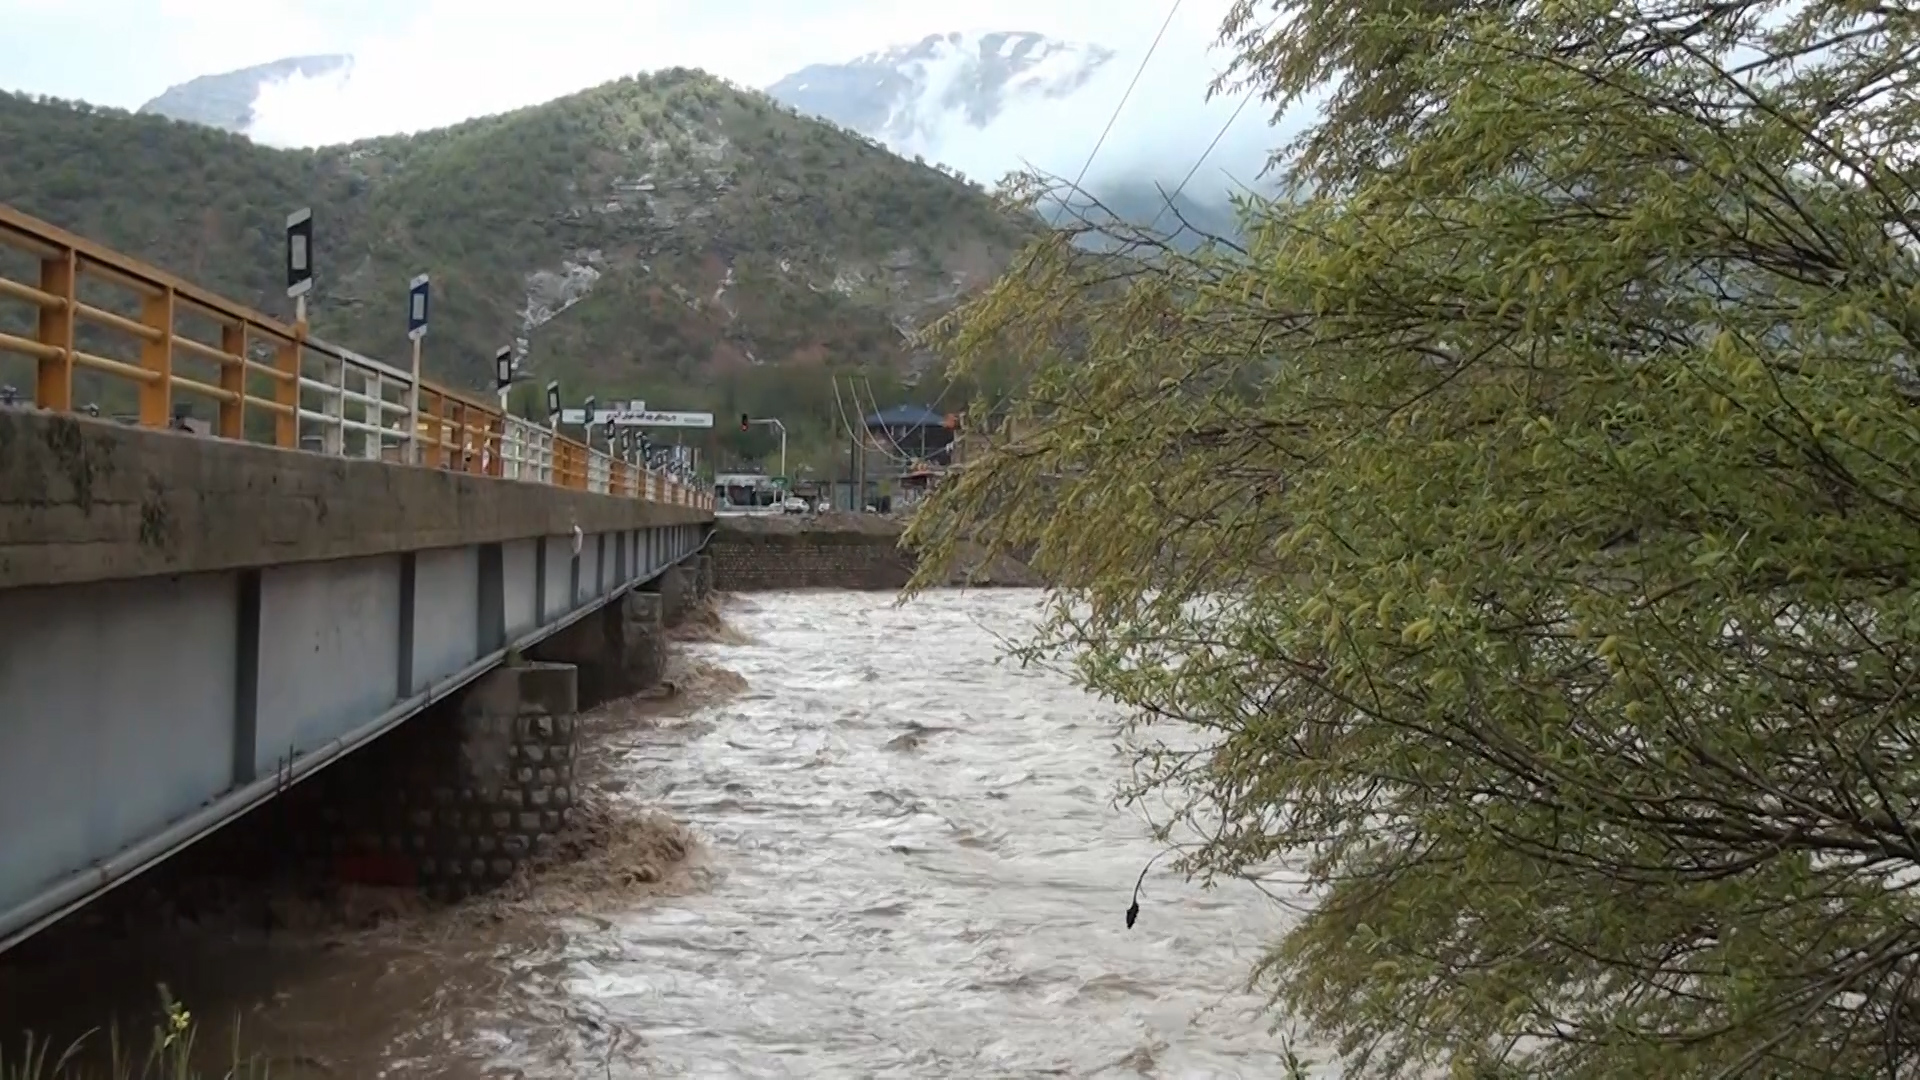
{"points": [[667, 237]]}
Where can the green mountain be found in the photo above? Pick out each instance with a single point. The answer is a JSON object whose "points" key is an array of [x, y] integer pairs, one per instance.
{"points": [[667, 237]]}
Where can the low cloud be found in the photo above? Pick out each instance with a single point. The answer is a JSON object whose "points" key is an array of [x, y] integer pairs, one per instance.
{"points": [[453, 61], [1164, 128]]}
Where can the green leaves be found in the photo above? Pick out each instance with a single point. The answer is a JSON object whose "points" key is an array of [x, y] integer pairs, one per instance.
{"points": [[1527, 527]]}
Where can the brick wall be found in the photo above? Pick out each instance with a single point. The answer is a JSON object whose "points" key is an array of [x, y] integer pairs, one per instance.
{"points": [[759, 561]]}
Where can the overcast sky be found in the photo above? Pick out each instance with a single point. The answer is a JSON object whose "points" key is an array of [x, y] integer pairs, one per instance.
{"points": [[123, 52], [427, 63]]}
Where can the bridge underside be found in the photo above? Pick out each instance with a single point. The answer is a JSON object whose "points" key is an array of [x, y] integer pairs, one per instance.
{"points": [[187, 625]]}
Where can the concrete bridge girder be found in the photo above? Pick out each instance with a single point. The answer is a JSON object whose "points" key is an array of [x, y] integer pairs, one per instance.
{"points": [[189, 625]]}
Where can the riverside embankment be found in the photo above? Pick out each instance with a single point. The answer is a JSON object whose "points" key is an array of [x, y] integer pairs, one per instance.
{"points": [[835, 550], [901, 858]]}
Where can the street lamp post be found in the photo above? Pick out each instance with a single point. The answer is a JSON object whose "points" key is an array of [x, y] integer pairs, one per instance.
{"points": [[553, 426], [416, 332], [503, 365], [300, 261], [503, 375], [746, 420]]}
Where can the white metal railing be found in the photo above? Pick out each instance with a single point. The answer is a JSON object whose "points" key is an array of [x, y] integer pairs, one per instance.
{"points": [[354, 412], [271, 382], [527, 452]]}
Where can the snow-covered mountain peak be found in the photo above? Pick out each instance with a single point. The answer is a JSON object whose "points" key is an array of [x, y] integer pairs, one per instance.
{"points": [[911, 96], [226, 100]]}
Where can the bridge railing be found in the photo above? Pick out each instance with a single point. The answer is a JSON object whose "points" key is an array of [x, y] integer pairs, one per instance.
{"points": [[92, 310]]}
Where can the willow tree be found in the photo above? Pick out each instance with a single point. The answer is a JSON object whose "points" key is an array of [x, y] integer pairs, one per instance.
{"points": [[1527, 526]]}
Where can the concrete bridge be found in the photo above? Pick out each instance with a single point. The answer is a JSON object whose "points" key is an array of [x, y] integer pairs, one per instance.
{"points": [[193, 621]]}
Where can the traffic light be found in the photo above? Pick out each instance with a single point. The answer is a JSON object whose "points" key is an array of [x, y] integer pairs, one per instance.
{"points": [[744, 422]]}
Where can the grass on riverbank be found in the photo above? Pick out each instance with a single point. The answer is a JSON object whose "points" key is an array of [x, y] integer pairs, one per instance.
{"points": [[169, 1055]]}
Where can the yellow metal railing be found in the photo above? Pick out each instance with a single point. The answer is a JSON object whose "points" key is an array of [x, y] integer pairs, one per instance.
{"points": [[270, 382]]}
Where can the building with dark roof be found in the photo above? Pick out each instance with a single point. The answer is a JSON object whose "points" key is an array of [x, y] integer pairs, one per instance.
{"points": [[912, 433]]}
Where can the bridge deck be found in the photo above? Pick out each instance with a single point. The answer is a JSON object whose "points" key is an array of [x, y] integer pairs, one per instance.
{"points": [[189, 621], [100, 314]]}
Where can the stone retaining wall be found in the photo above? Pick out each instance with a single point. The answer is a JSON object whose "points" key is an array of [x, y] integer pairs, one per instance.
{"points": [[746, 561], [837, 552]]}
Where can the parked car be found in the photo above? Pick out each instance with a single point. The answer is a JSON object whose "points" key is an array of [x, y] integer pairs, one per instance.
{"points": [[793, 505]]}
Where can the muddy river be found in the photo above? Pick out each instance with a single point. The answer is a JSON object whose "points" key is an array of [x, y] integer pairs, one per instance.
{"points": [[905, 862]]}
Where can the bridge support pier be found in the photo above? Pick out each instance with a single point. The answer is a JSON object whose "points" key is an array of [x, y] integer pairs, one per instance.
{"points": [[618, 650], [513, 783], [702, 578], [675, 588], [641, 647], [457, 800]]}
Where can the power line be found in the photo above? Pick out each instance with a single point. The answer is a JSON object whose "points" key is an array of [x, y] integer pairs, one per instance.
{"points": [[1204, 154], [1251, 93], [862, 436], [945, 388], [1137, 72], [842, 409], [902, 458]]}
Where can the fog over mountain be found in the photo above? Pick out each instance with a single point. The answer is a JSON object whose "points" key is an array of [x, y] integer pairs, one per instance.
{"points": [[226, 100], [986, 104], [983, 103]]}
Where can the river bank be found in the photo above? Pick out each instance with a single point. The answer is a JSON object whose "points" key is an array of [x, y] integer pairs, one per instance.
{"points": [[839, 550]]}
